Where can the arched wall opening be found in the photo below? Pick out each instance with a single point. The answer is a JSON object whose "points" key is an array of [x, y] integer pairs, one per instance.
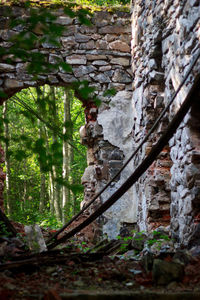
{"points": [[99, 54], [43, 155]]}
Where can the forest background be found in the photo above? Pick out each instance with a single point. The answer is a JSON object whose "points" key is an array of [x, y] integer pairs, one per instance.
{"points": [[39, 127]]}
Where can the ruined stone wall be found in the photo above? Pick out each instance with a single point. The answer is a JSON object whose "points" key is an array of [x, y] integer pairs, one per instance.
{"points": [[165, 39], [101, 55]]}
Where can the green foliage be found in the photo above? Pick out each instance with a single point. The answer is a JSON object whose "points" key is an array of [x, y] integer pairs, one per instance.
{"points": [[107, 3], [158, 239], [28, 152]]}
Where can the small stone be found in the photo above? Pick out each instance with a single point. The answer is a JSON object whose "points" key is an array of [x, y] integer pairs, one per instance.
{"points": [[53, 79], [88, 175], [165, 272], [95, 57], [10, 286], [138, 241], [87, 46], [50, 270], [68, 42], [119, 46], [62, 20], [83, 70], [121, 77], [81, 38], [116, 29], [105, 68], [76, 60], [54, 59], [6, 68], [147, 261], [101, 44], [12, 84], [172, 285], [120, 61], [156, 77], [88, 29], [67, 77], [102, 78], [100, 63], [71, 30]]}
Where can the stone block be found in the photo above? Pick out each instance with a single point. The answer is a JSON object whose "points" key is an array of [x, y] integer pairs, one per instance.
{"points": [[95, 57], [67, 78], [68, 42], [64, 20], [100, 63], [121, 77], [89, 174], [83, 70], [81, 38], [88, 29], [122, 61], [119, 46], [6, 68], [76, 60], [105, 68], [70, 31], [115, 29], [13, 84], [165, 272], [156, 77], [101, 78], [53, 79], [87, 46], [101, 44]]}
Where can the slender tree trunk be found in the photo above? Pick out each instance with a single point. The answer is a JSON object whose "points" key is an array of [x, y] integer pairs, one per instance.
{"points": [[56, 186], [9, 201], [51, 192], [72, 180], [66, 154], [41, 135]]}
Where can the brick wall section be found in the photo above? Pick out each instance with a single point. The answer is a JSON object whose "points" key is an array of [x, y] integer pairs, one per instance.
{"points": [[166, 37]]}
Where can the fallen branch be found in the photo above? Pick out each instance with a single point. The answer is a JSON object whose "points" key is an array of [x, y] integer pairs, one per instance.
{"points": [[48, 258], [9, 226]]}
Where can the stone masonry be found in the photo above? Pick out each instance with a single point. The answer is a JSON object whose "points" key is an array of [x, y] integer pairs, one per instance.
{"points": [[165, 40], [100, 54]]}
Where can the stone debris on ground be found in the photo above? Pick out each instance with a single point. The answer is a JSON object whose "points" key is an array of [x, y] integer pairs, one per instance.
{"points": [[107, 266]]}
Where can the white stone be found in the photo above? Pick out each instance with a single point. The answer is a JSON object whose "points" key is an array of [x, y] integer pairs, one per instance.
{"points": [[12, 84], [6, 67], [76, 60]]}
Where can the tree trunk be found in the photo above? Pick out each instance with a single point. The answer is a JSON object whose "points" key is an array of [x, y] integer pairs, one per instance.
{"points": [[41, 135], [66, 154], [9, 201], [56, 186]]}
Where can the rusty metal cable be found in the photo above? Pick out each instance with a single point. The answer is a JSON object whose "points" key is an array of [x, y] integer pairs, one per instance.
{"points": [[156, 123]]}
